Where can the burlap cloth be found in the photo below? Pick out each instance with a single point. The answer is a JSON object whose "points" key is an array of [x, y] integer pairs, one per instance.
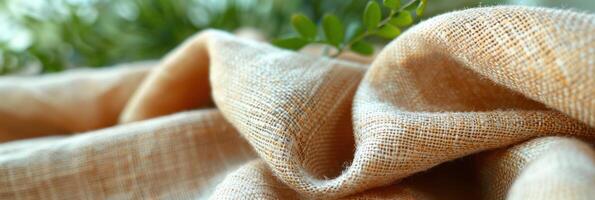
{"points": [[482, 103]]}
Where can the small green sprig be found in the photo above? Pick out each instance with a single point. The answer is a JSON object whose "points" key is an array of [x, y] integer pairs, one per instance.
{"points": [[353, 38]]}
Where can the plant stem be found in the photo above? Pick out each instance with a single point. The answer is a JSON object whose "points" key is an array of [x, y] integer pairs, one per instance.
{"points": [[367, 32]]}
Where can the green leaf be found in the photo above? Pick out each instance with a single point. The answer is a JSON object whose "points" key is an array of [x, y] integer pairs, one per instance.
{"points": [[304, 26], [402, 19], [372, 16], [333, 29], [421, 7], [392, 4], [388, 31], [293, 43], [363, 48], [412, 5]]}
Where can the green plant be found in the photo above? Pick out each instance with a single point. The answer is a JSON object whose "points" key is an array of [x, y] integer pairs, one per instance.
{"points": [[335, 35], [52, 36], [63, 34]]}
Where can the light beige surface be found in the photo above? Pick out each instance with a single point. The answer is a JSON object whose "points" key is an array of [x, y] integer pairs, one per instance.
{"points": [[228, 118]]}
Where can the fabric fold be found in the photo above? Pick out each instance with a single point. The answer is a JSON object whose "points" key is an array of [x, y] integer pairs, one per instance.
{"points": [[182, 156], [542, 168], [53, 104]]}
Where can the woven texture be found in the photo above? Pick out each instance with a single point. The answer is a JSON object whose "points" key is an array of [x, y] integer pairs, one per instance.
{"points": [[481, 103]]}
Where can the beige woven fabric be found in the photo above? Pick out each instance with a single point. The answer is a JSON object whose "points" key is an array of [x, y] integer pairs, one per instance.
{"points": [[52, 104], [273, 124], [543, 168]]}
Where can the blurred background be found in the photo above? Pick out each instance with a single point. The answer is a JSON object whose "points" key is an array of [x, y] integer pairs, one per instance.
{"points": [[45, 36]]}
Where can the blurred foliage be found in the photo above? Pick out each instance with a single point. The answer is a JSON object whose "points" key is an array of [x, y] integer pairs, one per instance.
{"points": [[61, 34], [43, 36]]}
